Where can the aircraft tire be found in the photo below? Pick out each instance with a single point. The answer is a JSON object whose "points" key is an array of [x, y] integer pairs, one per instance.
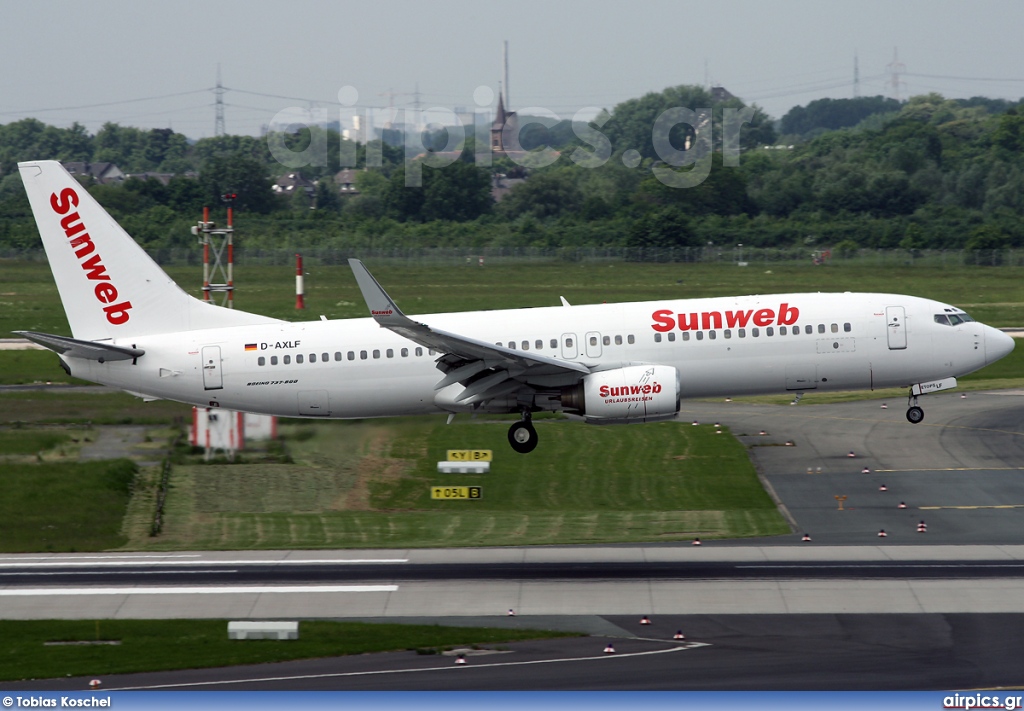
{"points": [[523, 437], [915, 415]]}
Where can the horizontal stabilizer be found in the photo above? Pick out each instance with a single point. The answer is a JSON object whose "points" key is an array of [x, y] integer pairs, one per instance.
{"points": [[75, 348]]}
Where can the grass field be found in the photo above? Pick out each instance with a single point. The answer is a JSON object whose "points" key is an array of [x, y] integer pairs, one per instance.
{"points": [[367, 485], [155, 645], [63, 506], [29, 300]]}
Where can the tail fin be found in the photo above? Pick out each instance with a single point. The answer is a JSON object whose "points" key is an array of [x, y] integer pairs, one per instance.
{"points": [[109, 286]]}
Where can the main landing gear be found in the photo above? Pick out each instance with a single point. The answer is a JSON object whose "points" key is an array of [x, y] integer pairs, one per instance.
{"points": [[914, 413], [522, 436]]}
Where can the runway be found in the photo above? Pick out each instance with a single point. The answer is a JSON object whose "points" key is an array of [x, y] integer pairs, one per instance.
{"points": [[938, 609]]}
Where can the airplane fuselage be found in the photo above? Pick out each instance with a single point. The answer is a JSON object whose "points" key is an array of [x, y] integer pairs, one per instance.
{"points": [[721, 347]]}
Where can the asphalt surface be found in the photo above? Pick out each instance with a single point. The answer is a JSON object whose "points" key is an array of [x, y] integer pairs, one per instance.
{"points": [[933, 610], [734, 652]]}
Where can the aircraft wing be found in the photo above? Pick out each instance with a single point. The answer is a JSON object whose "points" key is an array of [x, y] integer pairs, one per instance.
{"points": [[487, 370], [76, 348]]}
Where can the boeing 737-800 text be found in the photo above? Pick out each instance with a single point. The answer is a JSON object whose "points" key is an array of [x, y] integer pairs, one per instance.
{"points": [[133, 328]]}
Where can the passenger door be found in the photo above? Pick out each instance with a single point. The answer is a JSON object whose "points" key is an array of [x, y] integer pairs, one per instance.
{"points": [[896, 326]]}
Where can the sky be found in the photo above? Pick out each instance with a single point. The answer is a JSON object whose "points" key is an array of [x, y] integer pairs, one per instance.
{"points": [[154, 64]]}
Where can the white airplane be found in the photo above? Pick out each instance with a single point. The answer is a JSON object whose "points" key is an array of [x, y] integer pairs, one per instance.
{"points": [[134, 328]]}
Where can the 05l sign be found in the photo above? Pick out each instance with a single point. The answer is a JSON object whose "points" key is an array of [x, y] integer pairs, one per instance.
{"points": [[456, 492]]}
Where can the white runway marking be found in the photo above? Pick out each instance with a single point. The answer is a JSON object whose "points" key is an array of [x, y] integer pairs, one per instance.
{"points": [[679, 648], [189, 590]]}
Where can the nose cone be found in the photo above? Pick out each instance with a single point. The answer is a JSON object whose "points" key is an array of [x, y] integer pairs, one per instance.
{"points": [[997, 344]]}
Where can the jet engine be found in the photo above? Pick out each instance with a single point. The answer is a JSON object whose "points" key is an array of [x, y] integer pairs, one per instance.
{"points": [[635, 393]]}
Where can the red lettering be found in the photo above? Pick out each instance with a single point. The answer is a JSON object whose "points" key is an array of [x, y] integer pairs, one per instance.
{"points": [[657, 388], [787, 315], [72, 224], [687, 324], [737, 318], [764, 317], [83, 245], [68, 199], [710, 319], [663, 320], [106, 293], [603, 392], [647, 390], [94, 268], [118, 313], [634, 390]]}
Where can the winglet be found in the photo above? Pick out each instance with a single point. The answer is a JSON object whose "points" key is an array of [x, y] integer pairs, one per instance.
{"points": [[382, 307]]}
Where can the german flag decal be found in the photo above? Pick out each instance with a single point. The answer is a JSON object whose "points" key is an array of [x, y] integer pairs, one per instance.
{"points": [[250, 346]]}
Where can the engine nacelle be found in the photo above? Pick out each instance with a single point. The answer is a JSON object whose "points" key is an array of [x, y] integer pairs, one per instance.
{"points": [[636, 393]]}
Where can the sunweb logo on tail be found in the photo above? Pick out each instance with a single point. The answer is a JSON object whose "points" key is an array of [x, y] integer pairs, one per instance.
{"points": [[82, 244]]}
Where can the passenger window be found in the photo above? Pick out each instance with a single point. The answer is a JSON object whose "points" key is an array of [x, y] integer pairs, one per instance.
{"points": [[808, 328], [418, 351], [351, 355], [376, 353], [755, 332], [630, 340], [273, 360], [700, 335], [337, 355], [568, 343], [796, 330], [431, 351], [526, 345], [742, 332], [835, 328], [405, 352], [782, 330], [821, 328], [847, 327], [593, 340], [312, 357], [769, 331], [618, 340], [261, 361], [554, 343], [511, 344], [363, 355], [657, 338], [538, 344], [390, 353], [712, 335], [607, 341], [286, 360], [298, 359], [727, 333], [324, 357], [672, 336], [686, 335]]}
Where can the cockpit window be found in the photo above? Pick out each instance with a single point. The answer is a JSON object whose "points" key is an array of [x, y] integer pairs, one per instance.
{"points": [[954, 319], [942, 318], [964, 317]]}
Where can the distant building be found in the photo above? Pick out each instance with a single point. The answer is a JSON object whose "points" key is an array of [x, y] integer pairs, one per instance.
{"points": [[503, 118], [501, 185], [292, 183], [163, 178], [346, 182], [103, 173], [720, 93]]}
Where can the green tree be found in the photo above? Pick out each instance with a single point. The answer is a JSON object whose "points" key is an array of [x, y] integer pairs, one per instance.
{"points": [[242, 175]]}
